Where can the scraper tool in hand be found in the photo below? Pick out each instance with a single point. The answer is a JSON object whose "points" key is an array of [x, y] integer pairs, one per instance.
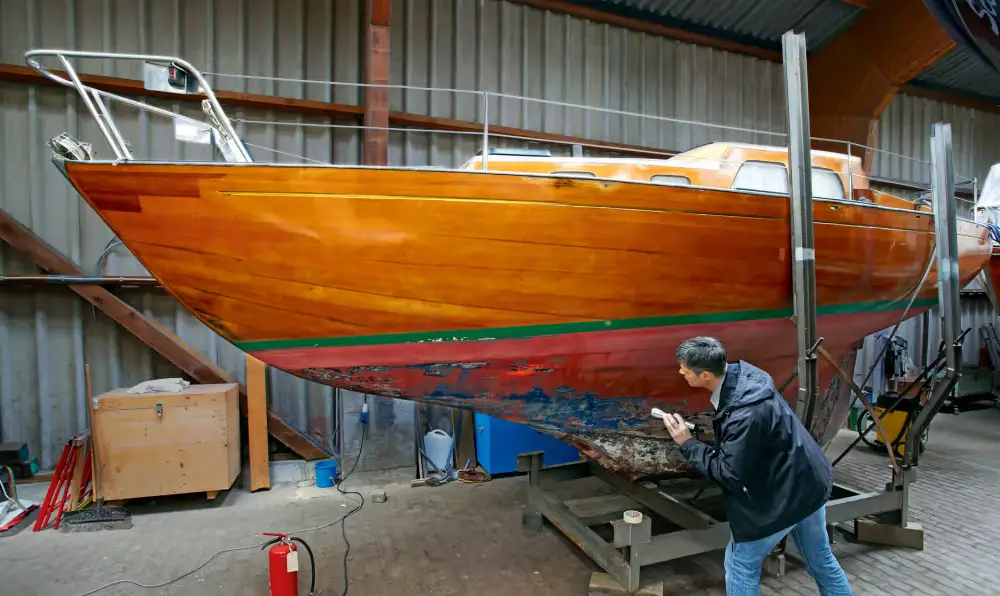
{"points": [[658, 413]]}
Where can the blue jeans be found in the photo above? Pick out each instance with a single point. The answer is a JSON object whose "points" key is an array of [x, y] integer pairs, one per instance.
{"points": [[745, 559]]}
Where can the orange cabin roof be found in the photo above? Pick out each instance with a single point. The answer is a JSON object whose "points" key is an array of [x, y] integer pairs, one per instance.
{"points": [[714, 165]]}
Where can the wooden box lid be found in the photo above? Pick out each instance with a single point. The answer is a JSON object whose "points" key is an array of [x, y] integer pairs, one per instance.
{"points": [[121, 399]]}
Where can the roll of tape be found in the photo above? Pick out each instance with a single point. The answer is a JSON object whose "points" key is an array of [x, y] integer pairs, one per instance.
{"points": [[633, 517]]}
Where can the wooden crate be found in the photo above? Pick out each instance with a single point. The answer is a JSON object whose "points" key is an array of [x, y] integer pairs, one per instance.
{"points": [[168, 443]]}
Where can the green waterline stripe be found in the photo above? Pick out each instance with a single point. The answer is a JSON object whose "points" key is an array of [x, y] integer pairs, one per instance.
{"points": [[564, 328]]}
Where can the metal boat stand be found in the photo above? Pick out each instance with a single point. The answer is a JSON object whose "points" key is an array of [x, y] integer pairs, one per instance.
{"points": [[673, 525]]}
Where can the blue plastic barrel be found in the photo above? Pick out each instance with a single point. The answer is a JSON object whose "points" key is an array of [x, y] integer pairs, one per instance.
{"points": [[326, 473]]}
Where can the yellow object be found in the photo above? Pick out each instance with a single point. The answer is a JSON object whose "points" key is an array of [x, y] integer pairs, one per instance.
{"points": [[896, 424]]}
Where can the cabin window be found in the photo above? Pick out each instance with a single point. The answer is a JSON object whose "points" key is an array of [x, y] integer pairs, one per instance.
{"points": [[762, 176], [578, 174], [670, 180], [826, 184]]}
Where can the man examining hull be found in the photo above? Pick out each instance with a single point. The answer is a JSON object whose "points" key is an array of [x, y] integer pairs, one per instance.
{"points": [[775, 477]]}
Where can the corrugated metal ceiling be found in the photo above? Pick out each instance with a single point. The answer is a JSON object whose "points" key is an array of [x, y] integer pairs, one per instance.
{"points": [[753, 22], [761, 23], [961, 70]]}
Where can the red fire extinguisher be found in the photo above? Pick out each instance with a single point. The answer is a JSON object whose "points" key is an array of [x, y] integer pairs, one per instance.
{"points": [[283, 565]]}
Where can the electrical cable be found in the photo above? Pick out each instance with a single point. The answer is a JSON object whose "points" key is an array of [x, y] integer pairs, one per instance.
{"points": [[264, 543], [312, 564], [343, 525], [13, 489]]}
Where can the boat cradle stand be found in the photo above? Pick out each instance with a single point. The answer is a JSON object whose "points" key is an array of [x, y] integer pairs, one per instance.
{"points": [[682, 528]]}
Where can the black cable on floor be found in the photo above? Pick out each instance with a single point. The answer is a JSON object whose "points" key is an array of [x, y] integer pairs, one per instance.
{"points": [[343, 520], [340, 520]]}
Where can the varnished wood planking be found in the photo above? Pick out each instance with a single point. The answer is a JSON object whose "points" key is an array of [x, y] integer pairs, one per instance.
{"points": [[148, 331], [274, 242]]}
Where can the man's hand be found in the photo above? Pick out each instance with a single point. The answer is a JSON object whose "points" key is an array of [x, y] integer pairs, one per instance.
{"points": [[678, 428]]}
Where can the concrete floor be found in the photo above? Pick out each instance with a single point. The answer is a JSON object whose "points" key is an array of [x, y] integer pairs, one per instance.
{"points": [[466, 539]]}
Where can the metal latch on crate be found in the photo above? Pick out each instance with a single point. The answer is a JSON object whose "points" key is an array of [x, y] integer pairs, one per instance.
{"points": [[159, 410]]}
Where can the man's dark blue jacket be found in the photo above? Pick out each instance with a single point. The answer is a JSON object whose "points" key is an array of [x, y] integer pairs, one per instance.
{"points": [[772, 472]]}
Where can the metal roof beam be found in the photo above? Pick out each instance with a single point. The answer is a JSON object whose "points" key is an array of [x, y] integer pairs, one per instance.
{"points": [[853, 77]]}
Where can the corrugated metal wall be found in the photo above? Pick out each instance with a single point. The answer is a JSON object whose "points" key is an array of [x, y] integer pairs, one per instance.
{"points": [[904, 128], [516, 50], [47, 334], [977, 311]]}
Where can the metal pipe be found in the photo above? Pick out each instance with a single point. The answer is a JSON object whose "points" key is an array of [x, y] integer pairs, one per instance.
{"points": [[78, 280], [486, 128], [204, 87], [850, 171], [87, 101], [111, 124], [803, 253]]}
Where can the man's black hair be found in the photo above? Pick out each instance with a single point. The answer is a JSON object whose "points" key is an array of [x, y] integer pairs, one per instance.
{"points": [[703, 354]]}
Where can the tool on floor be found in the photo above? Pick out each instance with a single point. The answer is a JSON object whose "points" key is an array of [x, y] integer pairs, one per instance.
{"points": [[65, 490], [99, 517], [283, 565]]}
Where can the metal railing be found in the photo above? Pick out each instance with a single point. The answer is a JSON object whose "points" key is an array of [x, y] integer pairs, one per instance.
{"points": [[234, 147], [92, 97]]}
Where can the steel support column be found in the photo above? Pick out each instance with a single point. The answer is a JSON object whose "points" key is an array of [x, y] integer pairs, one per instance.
{"points": [[946, 232], [803, 253]]}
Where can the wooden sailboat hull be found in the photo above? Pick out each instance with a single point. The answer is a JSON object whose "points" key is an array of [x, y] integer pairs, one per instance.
{"points": [[993, 274], [551, 301]]}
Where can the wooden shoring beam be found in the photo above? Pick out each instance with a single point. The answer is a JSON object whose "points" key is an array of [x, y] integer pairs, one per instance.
{"points": [[148, 331], [376, 99], [260, 473], [853, 77]]}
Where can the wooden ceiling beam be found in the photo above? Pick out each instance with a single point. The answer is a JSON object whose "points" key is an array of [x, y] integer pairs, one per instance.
{"points": [[376, 99], [853, 77]]}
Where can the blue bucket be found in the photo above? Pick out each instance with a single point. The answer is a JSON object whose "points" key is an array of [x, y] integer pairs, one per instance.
{"points": [[326, 473]]}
